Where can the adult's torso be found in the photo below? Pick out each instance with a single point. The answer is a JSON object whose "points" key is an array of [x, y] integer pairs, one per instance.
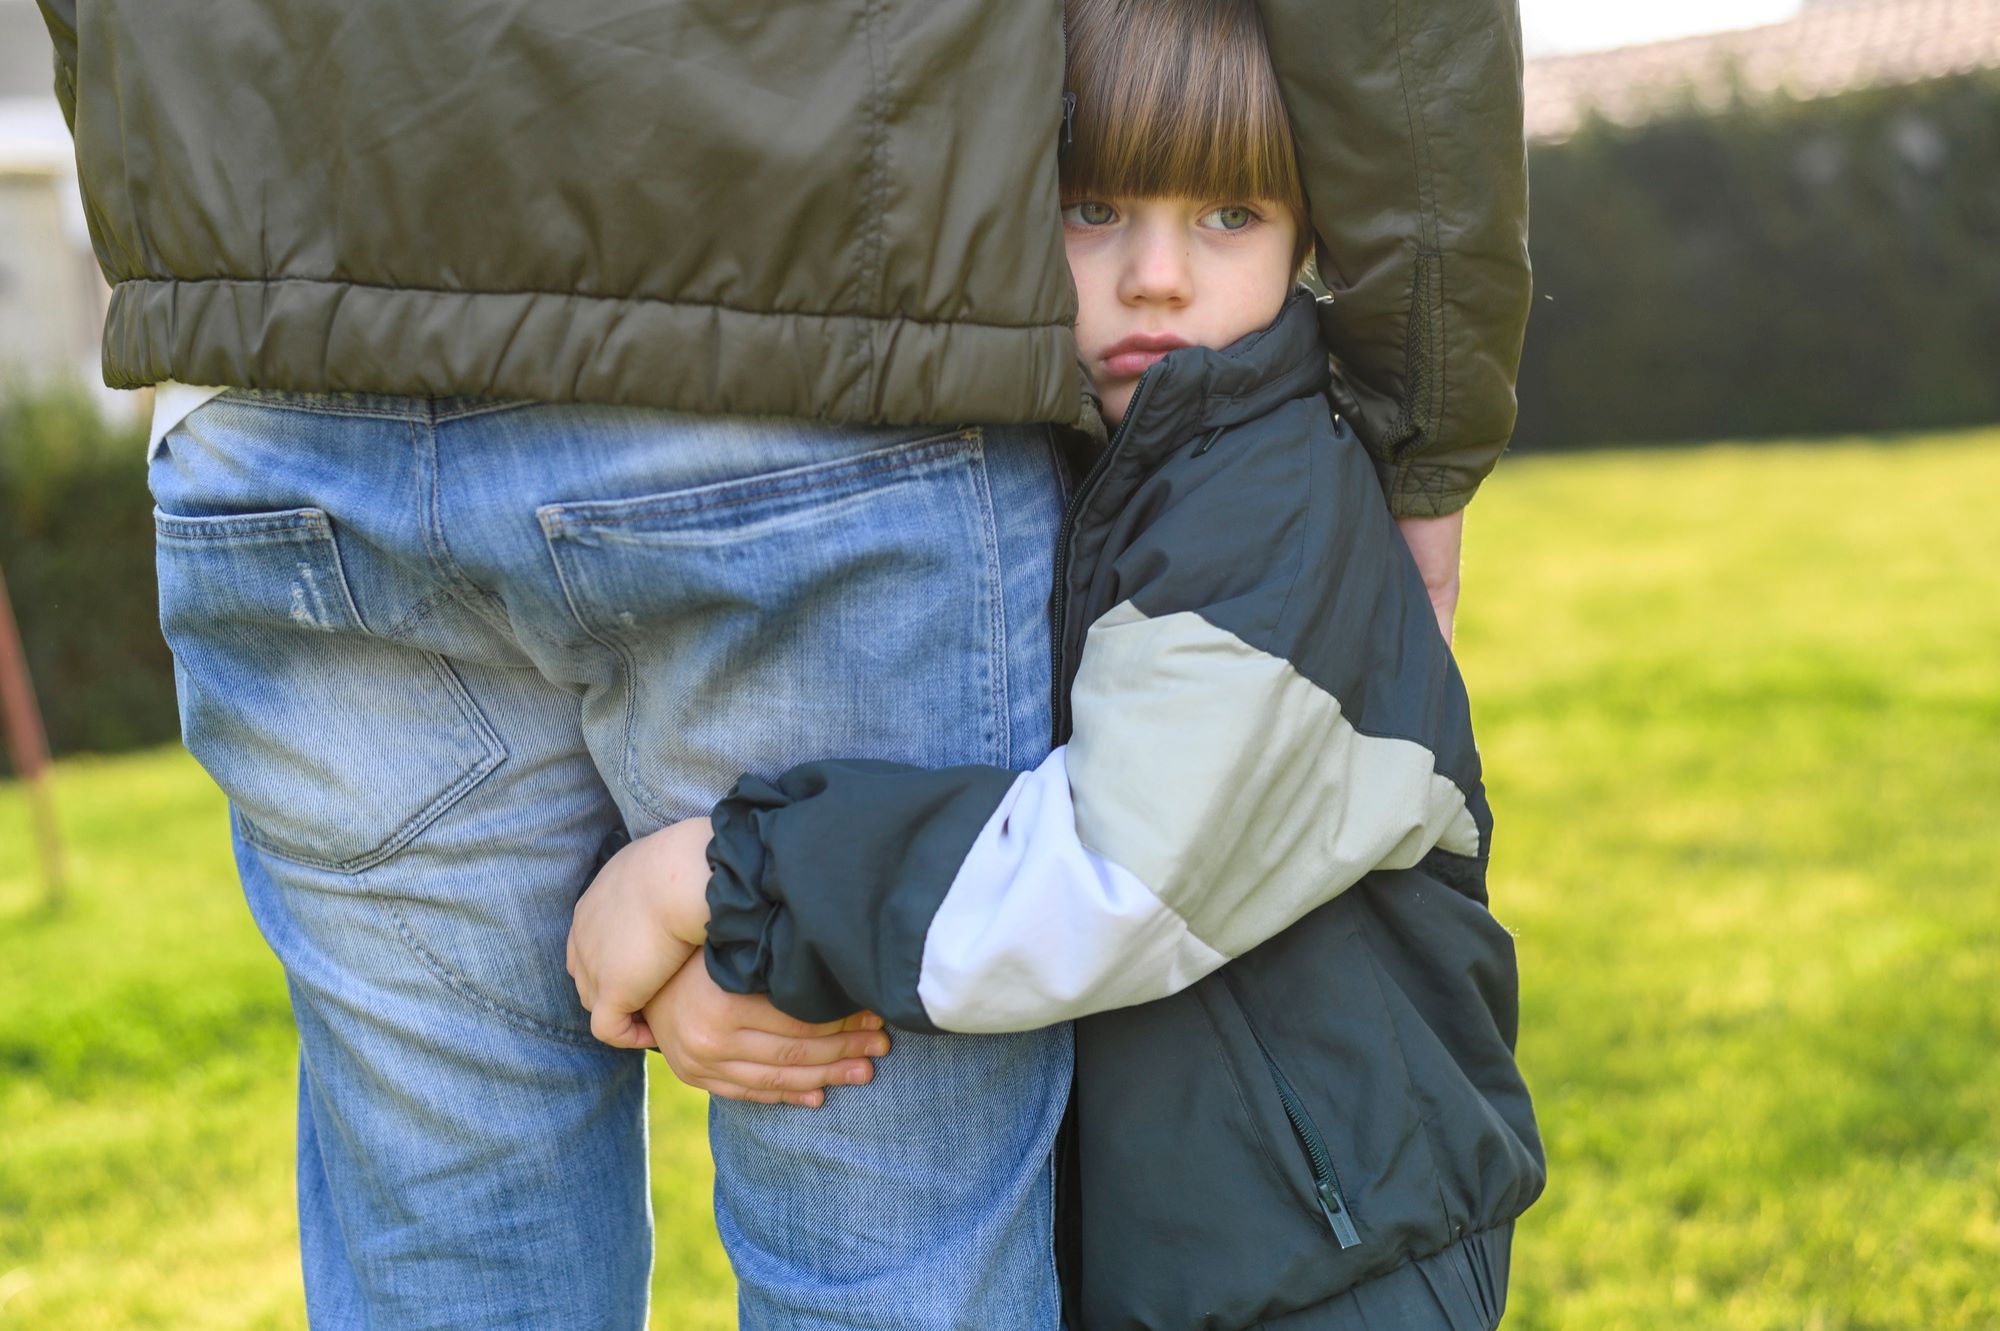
{"points": [[834, 209]]}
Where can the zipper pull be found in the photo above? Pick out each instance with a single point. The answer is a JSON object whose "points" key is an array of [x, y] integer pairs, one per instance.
{"points": [[1334, 1208], [1069, 118]]}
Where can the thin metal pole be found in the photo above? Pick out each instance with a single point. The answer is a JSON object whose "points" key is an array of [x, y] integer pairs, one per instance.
{"points": [[28, 745]]}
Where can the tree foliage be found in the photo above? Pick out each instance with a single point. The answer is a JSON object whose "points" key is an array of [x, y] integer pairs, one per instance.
{"points": [[1780, 267]]}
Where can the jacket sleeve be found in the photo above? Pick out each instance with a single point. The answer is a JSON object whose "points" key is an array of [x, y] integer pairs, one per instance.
{"points": [[60, 16], [1253, 732], [1408, 117]]}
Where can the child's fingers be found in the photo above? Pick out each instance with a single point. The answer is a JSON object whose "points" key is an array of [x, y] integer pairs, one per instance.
{"points": [[727, 1091], [765, 1079], [801, 1051], [755, 1012], [622, 1030]]}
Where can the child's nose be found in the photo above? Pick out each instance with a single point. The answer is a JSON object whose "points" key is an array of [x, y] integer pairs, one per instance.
{"points": [[1157, 269]]}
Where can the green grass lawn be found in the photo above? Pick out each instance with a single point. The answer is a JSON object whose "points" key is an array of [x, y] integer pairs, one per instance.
{"points": [[1740, 709]]}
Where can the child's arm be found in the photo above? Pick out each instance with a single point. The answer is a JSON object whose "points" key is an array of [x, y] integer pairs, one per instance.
{"points": [[636, 925], [740, 1047], [633, 927], [1268, 714]]}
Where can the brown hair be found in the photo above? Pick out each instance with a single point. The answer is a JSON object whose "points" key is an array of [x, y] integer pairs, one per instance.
{"points": [[1177, 97]]}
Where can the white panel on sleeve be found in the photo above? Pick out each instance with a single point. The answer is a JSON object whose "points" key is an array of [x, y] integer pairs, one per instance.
{"points": [[1037, 929]]}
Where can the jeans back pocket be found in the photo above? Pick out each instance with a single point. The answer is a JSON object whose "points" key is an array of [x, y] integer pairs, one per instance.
{"points": [[335, 746], [850, 608]]}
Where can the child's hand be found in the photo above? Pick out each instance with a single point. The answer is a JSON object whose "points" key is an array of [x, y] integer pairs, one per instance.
{"points": [[637, 923], [740, 1047]]}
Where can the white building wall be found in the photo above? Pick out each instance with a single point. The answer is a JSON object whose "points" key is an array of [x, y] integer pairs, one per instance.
{"points": [[52, 296]]}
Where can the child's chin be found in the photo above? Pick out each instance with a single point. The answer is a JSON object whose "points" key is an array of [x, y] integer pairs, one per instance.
{"points": [[1111, 405]]}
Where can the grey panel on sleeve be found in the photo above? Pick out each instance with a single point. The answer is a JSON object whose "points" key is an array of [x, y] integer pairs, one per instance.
{"points": [[1233, 786]]}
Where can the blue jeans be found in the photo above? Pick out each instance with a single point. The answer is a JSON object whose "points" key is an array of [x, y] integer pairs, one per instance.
{"points": [[435, 651]]}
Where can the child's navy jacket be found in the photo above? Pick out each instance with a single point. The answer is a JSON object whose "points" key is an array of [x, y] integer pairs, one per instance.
{"points": [[1255, 874]]}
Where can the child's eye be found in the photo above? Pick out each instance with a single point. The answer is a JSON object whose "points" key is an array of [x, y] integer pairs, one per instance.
{"points": [[1230, 219], [1089, 213]]}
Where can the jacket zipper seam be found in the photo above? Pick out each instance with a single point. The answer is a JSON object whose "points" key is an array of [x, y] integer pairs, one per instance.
{"points": [[1059, 717], [1326, 1179], [1326, 1182], [874, 239]]}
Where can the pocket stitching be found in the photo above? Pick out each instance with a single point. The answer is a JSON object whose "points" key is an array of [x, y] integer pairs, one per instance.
{"points": [[642, 792], [452, 979], [414, 826], [1409, 1091], [1250, 1115], [562, 520], [1000, 700], [312, 525], [296, 526], [291, 524]]}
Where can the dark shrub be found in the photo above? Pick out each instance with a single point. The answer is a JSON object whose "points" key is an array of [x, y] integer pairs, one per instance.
{"points": [[1779, 268], [76, 543]]}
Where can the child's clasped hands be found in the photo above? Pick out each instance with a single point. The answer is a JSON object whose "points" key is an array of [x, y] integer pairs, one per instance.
{"points": [[635, 944]]}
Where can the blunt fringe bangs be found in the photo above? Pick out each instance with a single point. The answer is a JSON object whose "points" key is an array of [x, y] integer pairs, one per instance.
{"points": [[1177, 97]]}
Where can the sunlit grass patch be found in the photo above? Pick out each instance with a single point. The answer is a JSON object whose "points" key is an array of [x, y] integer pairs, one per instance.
{"points": [[1740, 713], [1744, 773]]}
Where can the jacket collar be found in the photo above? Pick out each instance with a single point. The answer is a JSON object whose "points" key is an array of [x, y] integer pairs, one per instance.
{"points": [[1197, 390]]}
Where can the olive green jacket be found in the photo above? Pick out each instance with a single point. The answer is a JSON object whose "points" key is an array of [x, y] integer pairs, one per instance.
{"points": [[840, 209]]}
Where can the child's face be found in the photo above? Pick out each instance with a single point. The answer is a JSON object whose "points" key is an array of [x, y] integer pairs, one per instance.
{"points": [[1155, 274]]}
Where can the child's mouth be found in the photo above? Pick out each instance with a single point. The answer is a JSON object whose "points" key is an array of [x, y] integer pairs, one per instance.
{"points": [[1133, 356]]}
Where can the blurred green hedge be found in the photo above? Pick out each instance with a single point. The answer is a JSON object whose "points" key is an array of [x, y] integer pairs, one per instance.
{"points": [[1782, 267], [76, 544]]}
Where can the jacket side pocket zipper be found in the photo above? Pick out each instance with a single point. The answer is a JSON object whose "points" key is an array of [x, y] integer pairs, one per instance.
{"points": [[1326, 1184]]}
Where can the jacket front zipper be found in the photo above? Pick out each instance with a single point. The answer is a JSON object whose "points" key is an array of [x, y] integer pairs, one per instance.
{"points": [[1326, 1183], [1065, 537]]}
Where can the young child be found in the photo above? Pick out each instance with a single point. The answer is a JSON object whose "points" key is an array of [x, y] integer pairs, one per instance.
{"points": [[1255, 873]]}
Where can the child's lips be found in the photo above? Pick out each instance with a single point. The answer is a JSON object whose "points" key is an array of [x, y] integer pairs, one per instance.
{"points": [[1132, 364], [1133, 356]]}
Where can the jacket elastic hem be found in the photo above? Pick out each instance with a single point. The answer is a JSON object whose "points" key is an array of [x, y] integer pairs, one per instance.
{"points": [[309, 335], [740, 913], [1460, 1287]]}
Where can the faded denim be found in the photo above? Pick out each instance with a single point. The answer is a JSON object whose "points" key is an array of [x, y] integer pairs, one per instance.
{"points": [[435, 650]]}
